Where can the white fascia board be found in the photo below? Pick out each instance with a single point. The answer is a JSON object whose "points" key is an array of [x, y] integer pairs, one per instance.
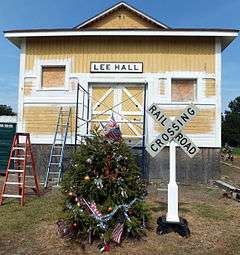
{"points": [[120, 33]]}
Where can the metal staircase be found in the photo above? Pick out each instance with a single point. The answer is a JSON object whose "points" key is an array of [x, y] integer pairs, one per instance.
{"points": [[55, 164]]}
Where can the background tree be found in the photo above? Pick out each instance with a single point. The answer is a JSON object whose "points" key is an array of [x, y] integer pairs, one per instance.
{"points": [[231, 124], [6, 110]]}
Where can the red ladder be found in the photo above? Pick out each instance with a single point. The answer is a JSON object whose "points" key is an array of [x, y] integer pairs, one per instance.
{"points": [[20, 161]]}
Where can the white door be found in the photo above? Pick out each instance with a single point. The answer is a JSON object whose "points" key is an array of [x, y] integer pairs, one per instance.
{"points": [[124, 101]]}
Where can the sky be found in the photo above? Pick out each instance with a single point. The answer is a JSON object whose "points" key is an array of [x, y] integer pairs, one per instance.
{"points": [[27, 14]]}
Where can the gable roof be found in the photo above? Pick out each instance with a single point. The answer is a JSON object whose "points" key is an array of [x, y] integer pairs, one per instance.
{"points": [[88, 23]]}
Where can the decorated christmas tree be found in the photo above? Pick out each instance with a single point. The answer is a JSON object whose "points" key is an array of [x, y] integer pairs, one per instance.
{"points": [[104, 190]]}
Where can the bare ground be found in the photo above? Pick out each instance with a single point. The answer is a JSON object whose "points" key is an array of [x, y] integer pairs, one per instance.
{"points": [[214, 222]]}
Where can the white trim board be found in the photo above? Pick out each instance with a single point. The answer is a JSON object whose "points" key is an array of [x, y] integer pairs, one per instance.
{"points": [[121, 33], [20, 127], [226, 36]]}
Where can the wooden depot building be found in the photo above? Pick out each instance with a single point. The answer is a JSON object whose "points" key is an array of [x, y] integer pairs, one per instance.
{"points": [[124, 60]]}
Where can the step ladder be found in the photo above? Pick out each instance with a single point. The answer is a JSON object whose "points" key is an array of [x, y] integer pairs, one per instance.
{"points": [[20, 170], [54, 170]]}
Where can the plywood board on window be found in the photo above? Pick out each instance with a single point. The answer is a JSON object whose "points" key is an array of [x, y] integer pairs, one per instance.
{"points": [[183, 90], [157, 54], [53, 76], [203, 123], [210, 87]]}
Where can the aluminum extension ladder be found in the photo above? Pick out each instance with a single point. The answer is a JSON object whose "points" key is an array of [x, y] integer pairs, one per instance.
{"points": [[55, 164], [20, 170]]}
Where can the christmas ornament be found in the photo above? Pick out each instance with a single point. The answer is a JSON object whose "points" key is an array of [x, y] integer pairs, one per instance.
{"points": [[110, 209], [99, 183], [70, 194], [89, 161], [104, 247], [124, 193], [75, 225], [86, 178], [119, 158], [78, 204]]}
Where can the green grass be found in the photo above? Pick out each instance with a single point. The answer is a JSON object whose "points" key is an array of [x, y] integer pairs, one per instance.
{"points": [[236, 151], [210, 212], [15, 219]]}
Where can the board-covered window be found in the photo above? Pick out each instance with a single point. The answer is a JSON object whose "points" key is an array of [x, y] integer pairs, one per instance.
{"points": [[183, 90], [53, 76]]}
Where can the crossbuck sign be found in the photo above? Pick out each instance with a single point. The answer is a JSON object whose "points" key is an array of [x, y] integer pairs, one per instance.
{"points": [[172, 135], [173, 130]]}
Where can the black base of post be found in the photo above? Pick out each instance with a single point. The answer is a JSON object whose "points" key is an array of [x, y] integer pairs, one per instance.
{"points": [[165, 227]]}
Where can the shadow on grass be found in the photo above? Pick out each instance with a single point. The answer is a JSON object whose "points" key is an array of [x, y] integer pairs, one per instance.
{"points": [[163, 207]]}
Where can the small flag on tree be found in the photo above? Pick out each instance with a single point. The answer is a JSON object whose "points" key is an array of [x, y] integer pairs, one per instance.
{"points": [[112, 130], [94, 209], [117, 232]]}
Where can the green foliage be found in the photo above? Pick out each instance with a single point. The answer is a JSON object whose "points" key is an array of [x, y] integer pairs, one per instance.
{"points": [[103, 171], [6, 110], [231, 124]]}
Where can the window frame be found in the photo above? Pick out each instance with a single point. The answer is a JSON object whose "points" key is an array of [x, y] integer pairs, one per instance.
{"points": [[53, 63], [195, 89]]}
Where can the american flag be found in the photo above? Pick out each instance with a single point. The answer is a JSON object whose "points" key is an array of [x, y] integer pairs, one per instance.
{"points": [[112, 122], [117, 232], [94, 209], [114, 134], [112, 130]]}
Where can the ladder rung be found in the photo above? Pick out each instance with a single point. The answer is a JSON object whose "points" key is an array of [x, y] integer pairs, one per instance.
{"points": [[56, 146], [54, 163], [17, 158], [30, 187], [19, 148], [14, 183], [53, 173], [9, 195], [59, 139], [15, 171], [56, 155], [29, 176]]}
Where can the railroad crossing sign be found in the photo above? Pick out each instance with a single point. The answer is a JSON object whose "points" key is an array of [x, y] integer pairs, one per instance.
{"points": [[173, 135], [172, 130]]}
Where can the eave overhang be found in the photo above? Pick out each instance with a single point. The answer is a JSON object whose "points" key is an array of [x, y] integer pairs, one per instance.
{"points": [[226, 36]]}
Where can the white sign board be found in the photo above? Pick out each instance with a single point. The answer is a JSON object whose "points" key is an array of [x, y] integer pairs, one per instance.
{"points": [[172, 130], [172, 134], [118, 67]]}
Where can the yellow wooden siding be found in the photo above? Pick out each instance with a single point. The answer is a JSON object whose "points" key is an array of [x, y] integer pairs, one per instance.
{"points": [[203, 123], [157, 54], [27, 90], [120, 19], [162, 83], [210, 87], [41, 120]]}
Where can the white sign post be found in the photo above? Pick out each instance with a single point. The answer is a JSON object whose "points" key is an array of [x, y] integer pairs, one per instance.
{"points": [[173, 136]]}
